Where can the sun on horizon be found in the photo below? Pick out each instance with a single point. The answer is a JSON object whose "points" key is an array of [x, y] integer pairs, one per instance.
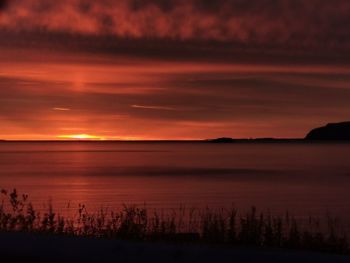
{"points": [[81, 137]]}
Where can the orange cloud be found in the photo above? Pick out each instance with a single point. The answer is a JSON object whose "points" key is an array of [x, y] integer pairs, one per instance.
{"points": [[61, 109], [119, 97]]}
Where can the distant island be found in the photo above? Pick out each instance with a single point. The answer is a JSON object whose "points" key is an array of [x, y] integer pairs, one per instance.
{"points": [[332, 131], [222, 140], [244, 140]]}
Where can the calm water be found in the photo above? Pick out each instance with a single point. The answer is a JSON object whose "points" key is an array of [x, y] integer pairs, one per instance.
{"points": [[306, 179]]}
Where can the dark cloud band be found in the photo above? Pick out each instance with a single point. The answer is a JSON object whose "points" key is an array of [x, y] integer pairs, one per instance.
{"points": [[292, 23], [3, 4]]}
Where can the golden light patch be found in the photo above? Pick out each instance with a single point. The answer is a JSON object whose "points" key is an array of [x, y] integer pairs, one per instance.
{"points": [[81, 137]]}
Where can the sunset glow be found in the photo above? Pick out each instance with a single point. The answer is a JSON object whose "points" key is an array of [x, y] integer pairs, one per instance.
{"points": [[220, 115], [171, 69], [81, 137]]}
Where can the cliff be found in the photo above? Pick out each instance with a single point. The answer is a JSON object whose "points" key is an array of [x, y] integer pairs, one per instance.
{"points": [[332, 131]]}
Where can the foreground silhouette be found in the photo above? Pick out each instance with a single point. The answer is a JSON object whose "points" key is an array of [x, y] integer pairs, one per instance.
{"points": [[225, 227], [24, 248]]}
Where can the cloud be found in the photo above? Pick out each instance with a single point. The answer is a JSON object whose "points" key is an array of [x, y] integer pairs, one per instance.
{"points": [[262, 23], [148, 107], [61, 109], [128, 94]]}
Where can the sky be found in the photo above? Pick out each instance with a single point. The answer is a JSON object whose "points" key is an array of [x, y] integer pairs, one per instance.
{"points": [[172, 69]]}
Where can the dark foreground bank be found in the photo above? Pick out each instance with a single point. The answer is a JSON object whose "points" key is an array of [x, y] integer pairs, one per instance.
{"points": [[18, 247], [218, 227]]}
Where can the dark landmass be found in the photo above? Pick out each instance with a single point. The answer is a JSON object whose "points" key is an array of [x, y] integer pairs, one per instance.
{"points": [[254, 140], [222, 140], [332, 131]]}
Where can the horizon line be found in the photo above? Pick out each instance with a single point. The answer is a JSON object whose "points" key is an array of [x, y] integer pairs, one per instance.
{"points": [[156, 140]]}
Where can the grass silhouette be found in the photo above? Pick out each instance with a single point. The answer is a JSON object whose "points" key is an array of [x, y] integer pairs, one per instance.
{"points": [[220, 226]]}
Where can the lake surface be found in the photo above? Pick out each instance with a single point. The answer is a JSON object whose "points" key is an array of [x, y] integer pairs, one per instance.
{"points": [[306, 179]]}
